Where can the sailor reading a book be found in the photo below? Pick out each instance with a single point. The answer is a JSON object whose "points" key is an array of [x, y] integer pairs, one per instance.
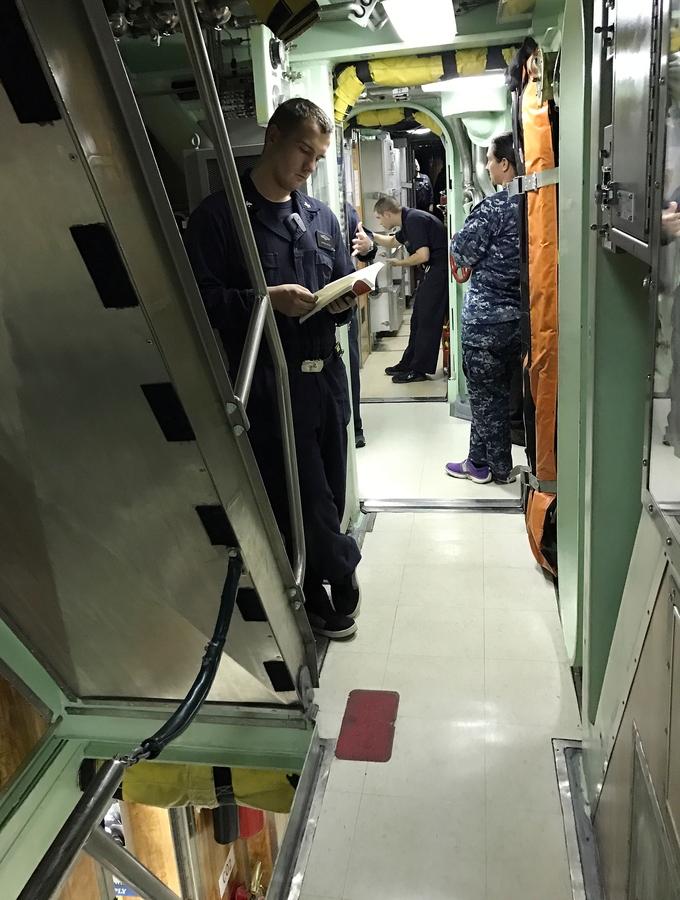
{"points": [[302, 251]]}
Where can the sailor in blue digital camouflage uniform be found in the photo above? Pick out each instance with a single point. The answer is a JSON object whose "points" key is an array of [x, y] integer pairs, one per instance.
{"points": [[302, 248], [488, 243]]}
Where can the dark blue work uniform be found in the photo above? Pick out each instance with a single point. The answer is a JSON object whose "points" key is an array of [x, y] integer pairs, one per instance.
{"points": [[352, 223], [309, 250], [431, 301], [488, 243]]}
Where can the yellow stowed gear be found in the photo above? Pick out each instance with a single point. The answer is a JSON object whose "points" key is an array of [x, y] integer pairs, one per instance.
{"points": [[427, 122], [518, 7], [347, 92], [405, 71], [263, 789], [471, 62], [169, 784], [375, 117], [409, 71], [675, 39]]}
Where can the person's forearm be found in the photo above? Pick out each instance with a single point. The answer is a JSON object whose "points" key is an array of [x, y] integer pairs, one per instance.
{"points": [[385, 240], [410, 261]]}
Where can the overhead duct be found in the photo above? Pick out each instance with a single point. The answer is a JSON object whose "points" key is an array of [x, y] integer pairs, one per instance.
{"points": [[483, 179], [427, 122], [374, 118], [395, 115], [404, 71], [287, 19], [471, 193], [411, 71]]}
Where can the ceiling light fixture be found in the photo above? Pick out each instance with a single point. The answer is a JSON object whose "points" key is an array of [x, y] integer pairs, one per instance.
{"points": [[430, 22]]}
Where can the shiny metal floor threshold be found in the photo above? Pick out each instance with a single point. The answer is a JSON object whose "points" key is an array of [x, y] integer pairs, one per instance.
{"points": [[579, 835], [462, 506], [296, 847]]}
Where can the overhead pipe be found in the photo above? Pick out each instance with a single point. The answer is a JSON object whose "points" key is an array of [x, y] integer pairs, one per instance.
{"points": [[483, 178], [462, 142], [337, 12], [395, 115], [412, 71]]}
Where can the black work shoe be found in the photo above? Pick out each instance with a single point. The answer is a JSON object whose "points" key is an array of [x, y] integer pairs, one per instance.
{"points": [[346, 596], [408, 377], [359, 440], [505, 479], [332, 625], [392, 370]]}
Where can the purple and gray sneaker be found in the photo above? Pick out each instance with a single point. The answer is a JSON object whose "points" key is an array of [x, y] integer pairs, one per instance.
{"points": [[466, 469]]}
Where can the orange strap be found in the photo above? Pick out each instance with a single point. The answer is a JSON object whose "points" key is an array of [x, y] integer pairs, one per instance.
{"points": [[460, 275]]}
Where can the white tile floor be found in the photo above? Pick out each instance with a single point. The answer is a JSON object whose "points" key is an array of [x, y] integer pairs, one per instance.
{"points": [[459, 620], [376, 385], [387, 352], [407, 447]]}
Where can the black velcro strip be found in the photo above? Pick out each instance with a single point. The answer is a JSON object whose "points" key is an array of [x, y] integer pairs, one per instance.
{"points": [[278, 675], [363, 71], [217, 526], [495, 58], [103, 261], [449, 64], [21, 73], [169, 412], [250, 605]]}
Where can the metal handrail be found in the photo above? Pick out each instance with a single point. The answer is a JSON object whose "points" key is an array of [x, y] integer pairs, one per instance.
{"points": [[90, 809], [251, 347], [262, 318], [121, 863]]}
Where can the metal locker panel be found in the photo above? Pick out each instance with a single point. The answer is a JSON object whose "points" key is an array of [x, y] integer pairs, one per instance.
{"points": [[673, 788], [635, 67], [653, 872]]}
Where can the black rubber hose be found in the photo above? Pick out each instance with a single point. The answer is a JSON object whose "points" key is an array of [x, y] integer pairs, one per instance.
{"points": [[189, 707]]}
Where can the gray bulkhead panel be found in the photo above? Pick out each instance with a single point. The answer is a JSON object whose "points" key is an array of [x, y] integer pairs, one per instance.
{"points": [[107, 570]]}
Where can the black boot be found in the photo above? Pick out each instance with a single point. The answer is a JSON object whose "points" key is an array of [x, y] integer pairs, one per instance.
{"points": [[346, 596], [323, 618]]}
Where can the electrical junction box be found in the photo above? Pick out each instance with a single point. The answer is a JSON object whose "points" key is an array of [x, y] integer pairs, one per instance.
{"points": [[270, 72]]}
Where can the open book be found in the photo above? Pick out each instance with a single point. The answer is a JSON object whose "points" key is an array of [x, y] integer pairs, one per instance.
{"points": [[360, 282]]}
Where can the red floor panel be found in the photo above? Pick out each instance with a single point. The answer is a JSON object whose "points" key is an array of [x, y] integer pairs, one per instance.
{"points": [[367, 732]]}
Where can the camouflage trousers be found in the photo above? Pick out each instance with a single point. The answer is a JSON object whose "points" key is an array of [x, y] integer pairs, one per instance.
{"points": [[491, 354]]}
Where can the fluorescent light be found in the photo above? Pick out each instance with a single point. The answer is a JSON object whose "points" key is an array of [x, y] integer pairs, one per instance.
{"points": [[420, 131], [470, 83], [428, 22]]}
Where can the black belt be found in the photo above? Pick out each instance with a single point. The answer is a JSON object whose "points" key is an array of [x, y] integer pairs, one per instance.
{"points": [[316, 365]]}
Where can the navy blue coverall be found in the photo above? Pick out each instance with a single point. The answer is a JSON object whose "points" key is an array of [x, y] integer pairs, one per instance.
{"points": [[310, 251], [431, 301]]}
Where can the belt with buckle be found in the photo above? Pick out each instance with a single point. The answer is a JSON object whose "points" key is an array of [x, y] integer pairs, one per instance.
{"points": [[316, 365]]}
